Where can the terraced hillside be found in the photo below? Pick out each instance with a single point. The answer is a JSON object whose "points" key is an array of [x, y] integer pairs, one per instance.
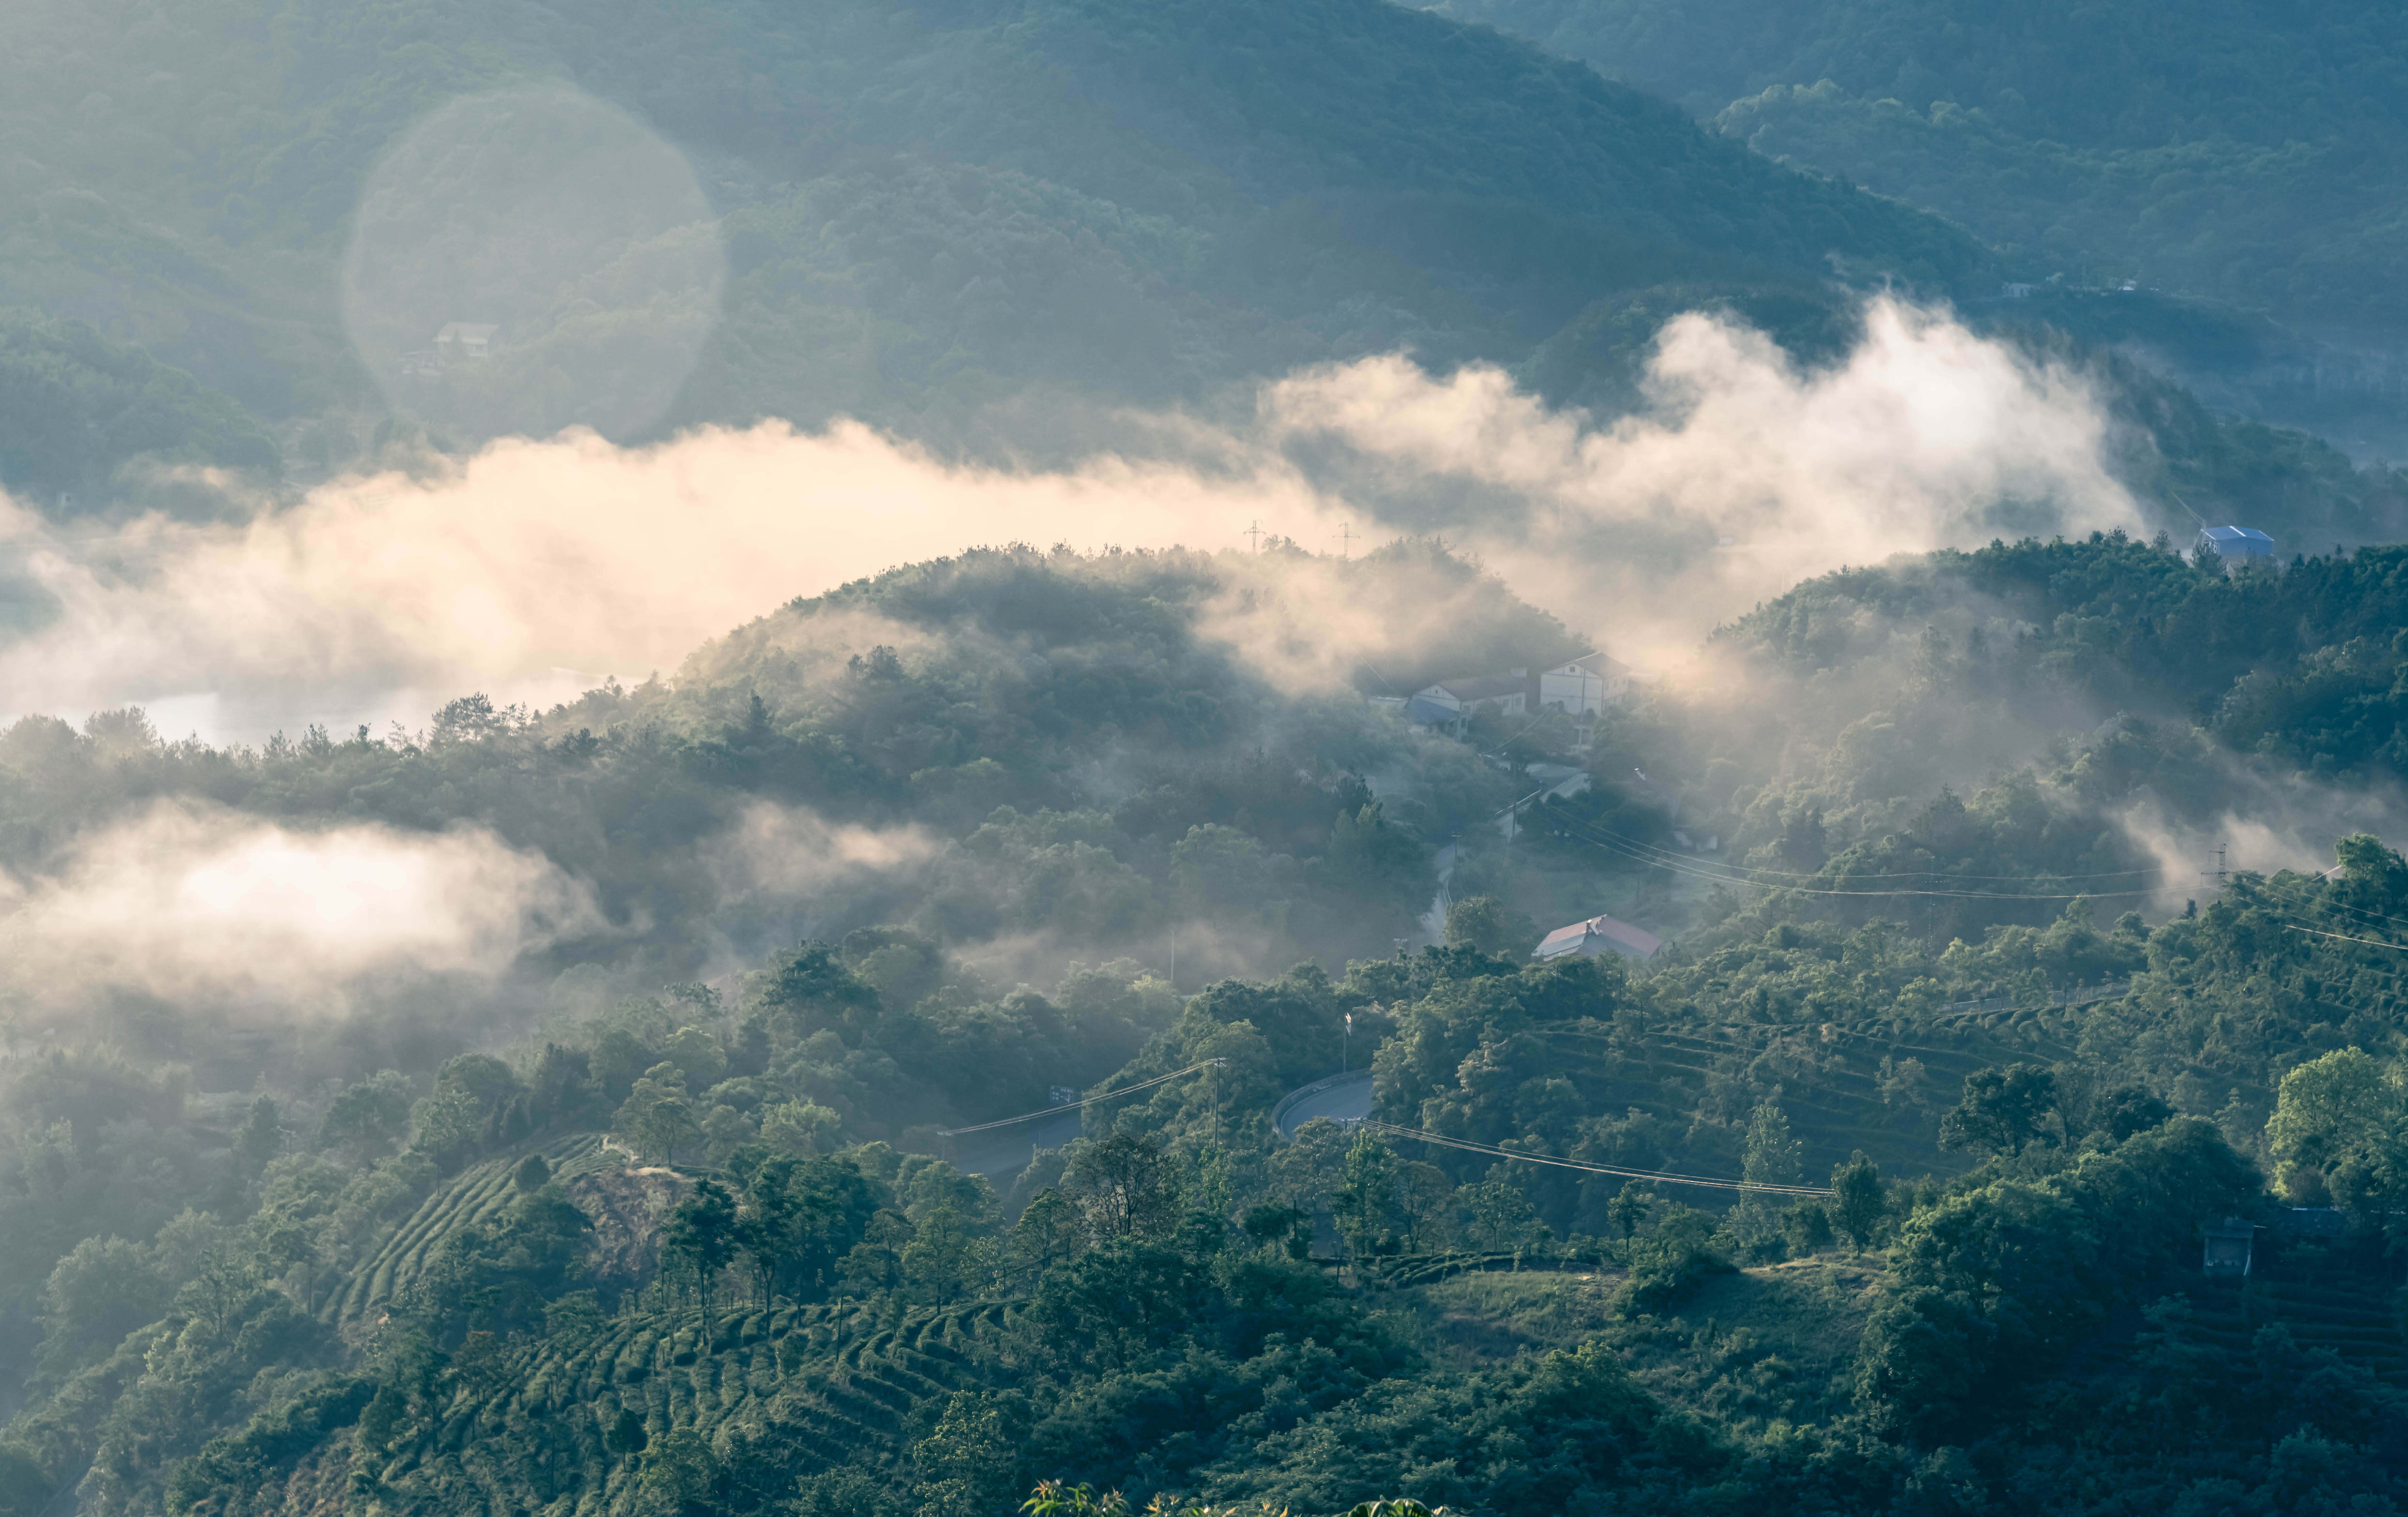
{"points": [[2342, 1302], [479, 1194], [783, 1394]]}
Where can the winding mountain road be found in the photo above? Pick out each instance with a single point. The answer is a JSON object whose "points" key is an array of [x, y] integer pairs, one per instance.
{"points": [[1341, 1098], [1004, 1153]]}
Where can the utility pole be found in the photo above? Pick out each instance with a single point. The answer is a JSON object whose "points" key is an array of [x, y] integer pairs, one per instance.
{"points": [[2219, 870], [1346, 540], [1253, 535]]}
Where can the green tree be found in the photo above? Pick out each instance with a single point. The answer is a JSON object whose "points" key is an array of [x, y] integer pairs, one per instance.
{"points": [[2128, 1109], [262, 1137], [1496, 1216], [1858, 1201], [701, 1234], [1049, 1231], [969, 1465], [1630, 1206], [2004, 1111], [1770, 1156], [801, 1128], [1273, 1225], [944, 1258], [1367, 1199], [657, 1117], [2331, 1107], [1807, 1227], [104, 1289], [809, 989], [680, 1476], [874, 1265], [1484, 923], [1683, 1249], [698, 1057], [1123, 1188], [368, 1120], [801, 1219]]}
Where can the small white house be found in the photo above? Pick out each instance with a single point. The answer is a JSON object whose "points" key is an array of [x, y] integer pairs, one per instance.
{"points": [[1596, 935], [1587, 685], [1451, 702], [467, 339]]}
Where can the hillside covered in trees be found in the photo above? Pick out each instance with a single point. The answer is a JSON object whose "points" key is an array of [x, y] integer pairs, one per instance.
{"points": [[2237, 162], [1061, 1018], [904, 214], [1881, 1189]]}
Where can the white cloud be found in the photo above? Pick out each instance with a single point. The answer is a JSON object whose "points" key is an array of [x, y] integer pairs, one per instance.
{"points": [[538, 567], [188, 901]]}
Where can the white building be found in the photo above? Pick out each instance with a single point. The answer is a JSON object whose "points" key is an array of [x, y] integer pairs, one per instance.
{"points": [[1451, 702], [467, 339], [1587, 685], [1596, 935]]}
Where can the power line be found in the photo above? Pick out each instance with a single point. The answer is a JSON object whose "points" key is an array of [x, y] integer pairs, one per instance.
{"points": [[1678, 865], [1741, 870], [1079, 1105], [1469, 1147], [2378, 943]]}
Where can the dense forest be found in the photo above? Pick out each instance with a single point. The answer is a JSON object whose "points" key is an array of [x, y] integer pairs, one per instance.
{"points": [[2233, 160], [1881, 1188], [981, 226], [920, 212], [1065, 1029]]}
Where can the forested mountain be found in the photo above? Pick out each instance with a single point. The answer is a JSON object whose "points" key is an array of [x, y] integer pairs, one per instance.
{"points": [[595, 1238], [923, 210], [871, 1068], [2243, 154]]}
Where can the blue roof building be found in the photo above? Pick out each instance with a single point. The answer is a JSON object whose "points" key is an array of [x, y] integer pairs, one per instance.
{"points": [[2236, 546]]}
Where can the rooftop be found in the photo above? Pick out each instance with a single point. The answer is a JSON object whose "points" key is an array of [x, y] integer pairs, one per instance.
{"points": [[1596, 932], [1595, 663], [1485, 686]]}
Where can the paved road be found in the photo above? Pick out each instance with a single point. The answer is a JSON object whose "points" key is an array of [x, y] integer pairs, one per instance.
{"points": [[1558, 780], [1349, 1101], [1006, 1151]]}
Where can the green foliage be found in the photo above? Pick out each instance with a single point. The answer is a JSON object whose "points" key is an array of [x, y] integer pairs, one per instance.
{"points": [[1365, 1198], [1858, 1201], [1680, 1253], [2219, 151], [940, 206], [2005, 1111], [1121, 1188], [1770, 1156], [2337, 1131], [82, 416], [103, 1290], [1999, 1278], [1484, 923]]}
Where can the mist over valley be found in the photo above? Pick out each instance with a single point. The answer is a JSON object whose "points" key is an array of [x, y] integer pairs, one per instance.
{"points": [[936, 759]]}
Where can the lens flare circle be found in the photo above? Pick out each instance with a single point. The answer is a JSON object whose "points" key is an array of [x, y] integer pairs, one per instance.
{"points": [[532, 259]]}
